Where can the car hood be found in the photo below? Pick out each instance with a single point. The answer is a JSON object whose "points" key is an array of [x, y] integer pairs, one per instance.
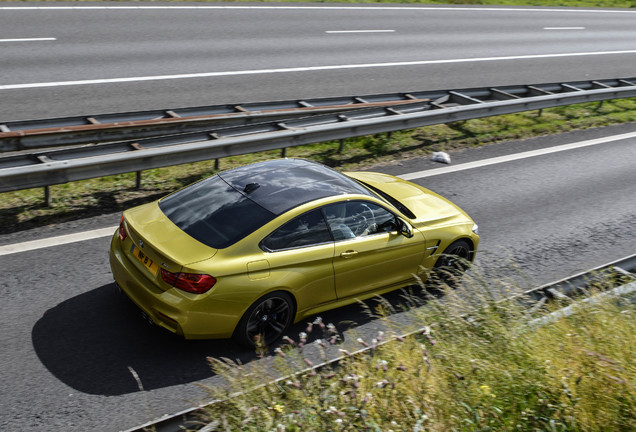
{"points": [[152, 226], [427, 206]]}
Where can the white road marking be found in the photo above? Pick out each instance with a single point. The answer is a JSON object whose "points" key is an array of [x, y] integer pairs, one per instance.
{"points": [[514, 157], [106, 232], [56, 241], [359, 31], [358, 8], [563, 28], [28, 40], [305, 69]]}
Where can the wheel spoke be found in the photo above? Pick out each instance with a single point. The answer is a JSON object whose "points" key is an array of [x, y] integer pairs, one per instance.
{"points": [[280, 308], [277, 327], [253, 326], [459, 251], [267, 306]]}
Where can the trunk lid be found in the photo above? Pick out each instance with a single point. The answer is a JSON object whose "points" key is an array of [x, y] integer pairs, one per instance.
{"points": [[161, 240]]}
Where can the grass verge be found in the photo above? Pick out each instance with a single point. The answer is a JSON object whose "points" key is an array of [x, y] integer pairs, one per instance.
{"points": [[26, 209], [483, 373]]}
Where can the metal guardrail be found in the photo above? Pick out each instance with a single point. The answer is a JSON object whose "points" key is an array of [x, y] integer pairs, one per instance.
{"points": [[433, 107], [572, 285], [31, 134], [567, 288], [46, 133]]}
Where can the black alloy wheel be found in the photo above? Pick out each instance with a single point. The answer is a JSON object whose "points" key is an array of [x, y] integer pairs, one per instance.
{"points": [[266, 320]]}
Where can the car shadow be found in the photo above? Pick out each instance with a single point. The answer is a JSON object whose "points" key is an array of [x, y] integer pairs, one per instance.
{"points": [[92, 341]]}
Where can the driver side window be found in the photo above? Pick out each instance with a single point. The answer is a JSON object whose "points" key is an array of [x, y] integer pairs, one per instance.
{"points": [[358, 219]]}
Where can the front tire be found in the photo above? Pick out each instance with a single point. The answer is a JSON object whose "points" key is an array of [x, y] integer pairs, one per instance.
{"points": [[454, 261], [268, 318]]}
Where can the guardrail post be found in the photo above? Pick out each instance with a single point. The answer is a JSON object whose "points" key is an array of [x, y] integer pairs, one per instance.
{"points": [[47, 196], [283, 152], [216, 164], [138, 180], [341, 146]]}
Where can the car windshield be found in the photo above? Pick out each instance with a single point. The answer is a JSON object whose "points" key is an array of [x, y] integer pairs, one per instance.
{"points": [[394, 202], [214, 213]]}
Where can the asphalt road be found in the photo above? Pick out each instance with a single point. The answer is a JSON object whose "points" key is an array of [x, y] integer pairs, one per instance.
{"points": [[87, 58], [69, 338]]}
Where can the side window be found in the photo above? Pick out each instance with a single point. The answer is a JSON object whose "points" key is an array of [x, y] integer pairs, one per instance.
{"points": [[358, 219], [305, 230]]}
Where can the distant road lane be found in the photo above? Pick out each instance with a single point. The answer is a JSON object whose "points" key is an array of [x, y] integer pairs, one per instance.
{"points": [[115, 57]]}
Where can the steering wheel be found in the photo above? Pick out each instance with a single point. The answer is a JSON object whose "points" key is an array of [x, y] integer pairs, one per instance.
{"points": [[363, 225]]}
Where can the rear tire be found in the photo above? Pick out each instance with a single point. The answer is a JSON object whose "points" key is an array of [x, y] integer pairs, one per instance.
{"points": [[267, 319]]}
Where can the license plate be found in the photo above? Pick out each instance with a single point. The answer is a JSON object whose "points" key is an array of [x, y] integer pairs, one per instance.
{"points": [[143, 258]]}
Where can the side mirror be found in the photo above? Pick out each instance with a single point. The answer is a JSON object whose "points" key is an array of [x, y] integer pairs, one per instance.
{"points": [[403, 227]]}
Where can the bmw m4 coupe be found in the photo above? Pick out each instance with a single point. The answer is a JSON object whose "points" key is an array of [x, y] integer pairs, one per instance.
{"points": [[247, 252]]}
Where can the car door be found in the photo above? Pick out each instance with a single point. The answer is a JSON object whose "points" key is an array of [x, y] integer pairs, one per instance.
{"points": [[300, 259], [369, 252]]}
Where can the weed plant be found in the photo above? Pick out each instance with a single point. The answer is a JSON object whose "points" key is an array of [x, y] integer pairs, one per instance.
{"points": [[475, 365]]}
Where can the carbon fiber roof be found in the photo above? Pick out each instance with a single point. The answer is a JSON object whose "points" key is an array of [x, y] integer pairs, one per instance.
{"points": [[282, 184]]}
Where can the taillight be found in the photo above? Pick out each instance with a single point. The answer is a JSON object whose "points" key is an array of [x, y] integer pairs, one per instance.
{"points": [[122, 229], [190, 282], [169, 277]]}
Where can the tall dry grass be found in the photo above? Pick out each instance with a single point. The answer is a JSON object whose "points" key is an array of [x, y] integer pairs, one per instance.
{"points": [[476, 365]]}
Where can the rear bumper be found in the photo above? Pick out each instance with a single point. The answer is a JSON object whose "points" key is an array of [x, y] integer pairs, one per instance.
{"points": [[180, 313]]}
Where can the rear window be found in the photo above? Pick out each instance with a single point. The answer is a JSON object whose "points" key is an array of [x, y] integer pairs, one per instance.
{"points": [[214, 213]]}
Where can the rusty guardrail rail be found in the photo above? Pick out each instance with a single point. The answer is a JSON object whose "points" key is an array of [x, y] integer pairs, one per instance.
{"points": [[65, 131], [567, 288], [47, 168]]}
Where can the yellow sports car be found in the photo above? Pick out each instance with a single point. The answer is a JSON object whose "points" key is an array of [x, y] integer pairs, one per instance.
{"points": [[249, 251]]}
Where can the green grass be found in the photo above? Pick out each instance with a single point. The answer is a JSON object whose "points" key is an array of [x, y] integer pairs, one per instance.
{"points": [[24, 209], [486, 373]]}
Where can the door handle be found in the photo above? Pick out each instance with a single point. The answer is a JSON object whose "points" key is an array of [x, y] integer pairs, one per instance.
{"points": [[348, 254]]}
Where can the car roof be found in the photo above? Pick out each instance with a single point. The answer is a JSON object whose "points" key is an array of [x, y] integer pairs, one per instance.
{"points": [[282, 184]]}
